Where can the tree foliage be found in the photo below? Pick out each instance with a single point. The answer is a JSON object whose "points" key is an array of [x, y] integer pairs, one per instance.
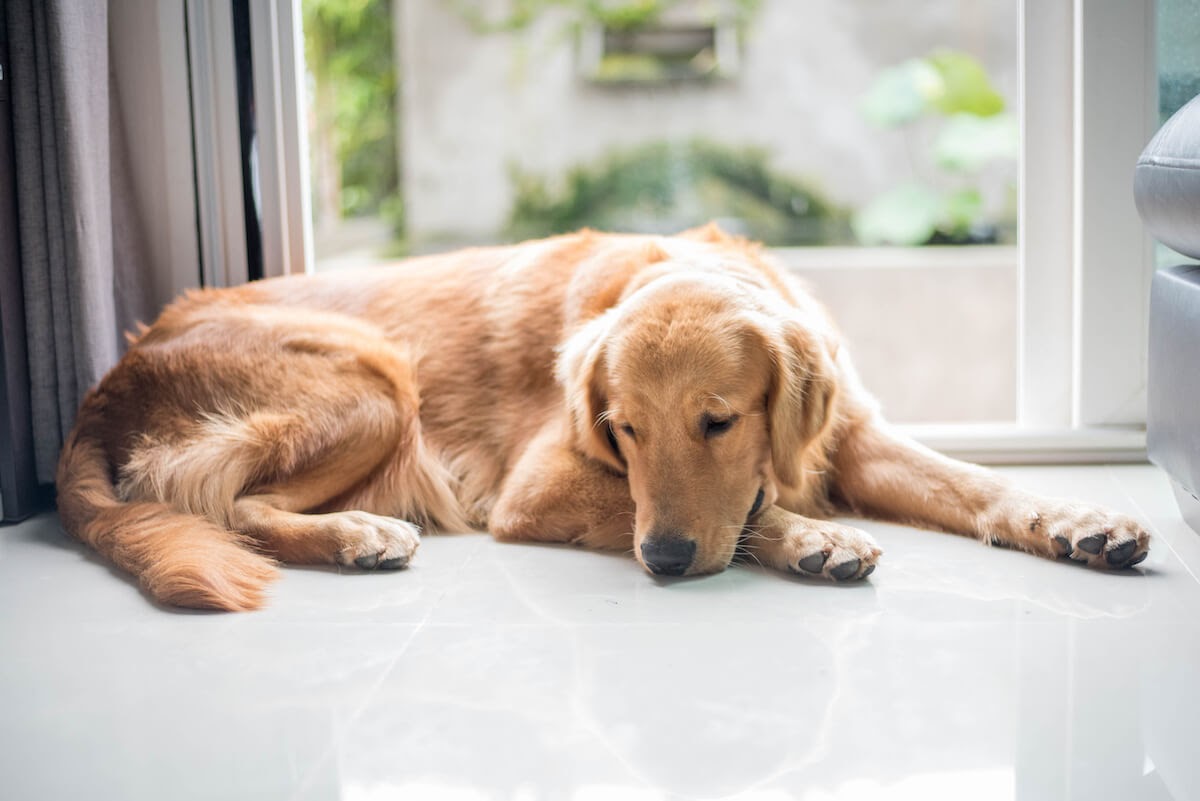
{"points": [[348, 46], [663, 187]]}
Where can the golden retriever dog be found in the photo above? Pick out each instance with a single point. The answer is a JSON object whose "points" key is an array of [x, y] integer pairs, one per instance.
{"points": [[681, 397]]}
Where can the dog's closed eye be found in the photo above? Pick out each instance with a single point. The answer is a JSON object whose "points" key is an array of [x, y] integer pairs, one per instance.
{"points": [[716, 426], [758, 502]]}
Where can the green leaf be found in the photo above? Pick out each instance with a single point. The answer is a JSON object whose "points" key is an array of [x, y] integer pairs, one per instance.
{"points": [[968, 143], [905, 215], [626, 16], [962, 210], [965, 85], [901, 94]]}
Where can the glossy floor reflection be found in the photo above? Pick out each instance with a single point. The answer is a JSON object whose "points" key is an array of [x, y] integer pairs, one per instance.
{"points": [[491, 671]]}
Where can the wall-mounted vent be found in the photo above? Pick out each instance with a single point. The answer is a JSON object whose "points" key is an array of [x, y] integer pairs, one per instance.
{"points": [[659, 54]]}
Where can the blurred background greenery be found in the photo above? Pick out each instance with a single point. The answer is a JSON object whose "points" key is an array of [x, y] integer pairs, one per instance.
{"points": [[970, 133], [943, 104], [353, 121], [664, 187]]}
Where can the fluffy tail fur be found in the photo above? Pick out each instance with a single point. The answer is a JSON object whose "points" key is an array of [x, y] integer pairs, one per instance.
{"points": [[180, 559]]}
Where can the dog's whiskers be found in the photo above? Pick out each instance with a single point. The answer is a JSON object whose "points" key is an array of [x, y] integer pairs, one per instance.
{"points": [[753, 533], [741, 552], [749, 554], [602, 418]]}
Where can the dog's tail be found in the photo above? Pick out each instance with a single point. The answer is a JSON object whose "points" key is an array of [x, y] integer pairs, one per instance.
{"points": [[180, 559]]}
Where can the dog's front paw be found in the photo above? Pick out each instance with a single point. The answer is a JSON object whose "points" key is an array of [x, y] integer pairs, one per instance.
{"points": [[1098, 537], [372, 541], [837, 552]]}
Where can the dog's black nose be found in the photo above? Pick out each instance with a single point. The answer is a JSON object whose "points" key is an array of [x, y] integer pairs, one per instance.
{"points": [[668, 554]]}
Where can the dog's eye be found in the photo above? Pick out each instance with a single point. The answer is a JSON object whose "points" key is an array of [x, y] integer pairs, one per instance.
{"points": [[715, 427], [628, 431], [758, 500]]}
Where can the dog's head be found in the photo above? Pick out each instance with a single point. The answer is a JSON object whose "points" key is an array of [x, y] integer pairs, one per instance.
{"points": [[706, 393]]}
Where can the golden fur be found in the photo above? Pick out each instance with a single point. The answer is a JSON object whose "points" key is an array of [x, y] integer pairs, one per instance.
{"points": [[677, 396]]}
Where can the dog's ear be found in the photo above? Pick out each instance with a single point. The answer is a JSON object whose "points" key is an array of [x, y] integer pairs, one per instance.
{"points": [[800, 403], [582, 373]]}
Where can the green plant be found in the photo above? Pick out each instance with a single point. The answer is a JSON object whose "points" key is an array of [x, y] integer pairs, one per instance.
{"points": [[663, 186], [348, 48], [974, 132]]}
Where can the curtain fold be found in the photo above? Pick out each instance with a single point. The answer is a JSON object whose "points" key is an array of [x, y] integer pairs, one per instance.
{"points": [[18, 485], [67, 196]]}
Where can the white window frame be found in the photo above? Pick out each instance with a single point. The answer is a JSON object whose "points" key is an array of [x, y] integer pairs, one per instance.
{"points": [[277, 51], [216, 143], [277, 55], [1088, 100], [1116, 99]]}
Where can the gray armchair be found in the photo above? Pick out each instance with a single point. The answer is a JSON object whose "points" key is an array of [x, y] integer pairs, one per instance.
{"points": [[1167, 191]]}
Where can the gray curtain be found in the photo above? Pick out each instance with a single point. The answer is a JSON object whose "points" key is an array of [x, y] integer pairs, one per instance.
{"points": [[79, 262]]}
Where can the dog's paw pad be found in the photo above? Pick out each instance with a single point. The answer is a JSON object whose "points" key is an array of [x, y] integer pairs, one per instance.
{"points": [[1097, 537], [846, 570], [830, 550], [370, 542], [1121, 553], [813, 563]]}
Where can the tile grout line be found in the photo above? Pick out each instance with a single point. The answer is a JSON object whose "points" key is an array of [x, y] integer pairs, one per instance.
{"points": [[336, 741]]}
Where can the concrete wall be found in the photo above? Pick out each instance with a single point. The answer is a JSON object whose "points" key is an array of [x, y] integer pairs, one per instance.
{"points": [[474, 104]]}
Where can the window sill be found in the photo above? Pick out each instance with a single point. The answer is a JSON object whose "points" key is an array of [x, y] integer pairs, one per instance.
{"points": [[1001, 443], [928, 257]]}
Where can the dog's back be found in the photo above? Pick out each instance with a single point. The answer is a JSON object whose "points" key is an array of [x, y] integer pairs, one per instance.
{"points": [[308, 389]]}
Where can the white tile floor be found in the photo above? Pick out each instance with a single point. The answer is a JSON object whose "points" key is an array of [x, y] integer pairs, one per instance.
{"points": [[492, 671]]}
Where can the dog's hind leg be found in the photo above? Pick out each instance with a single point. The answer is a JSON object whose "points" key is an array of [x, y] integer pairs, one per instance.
{"points": [[352, 500], [291, 516], [351, 538], [314, 465]]}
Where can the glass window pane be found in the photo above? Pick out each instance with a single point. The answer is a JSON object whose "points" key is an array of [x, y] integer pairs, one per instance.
{"points": [[829, 124], [1178, 35], [851, 121]]}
